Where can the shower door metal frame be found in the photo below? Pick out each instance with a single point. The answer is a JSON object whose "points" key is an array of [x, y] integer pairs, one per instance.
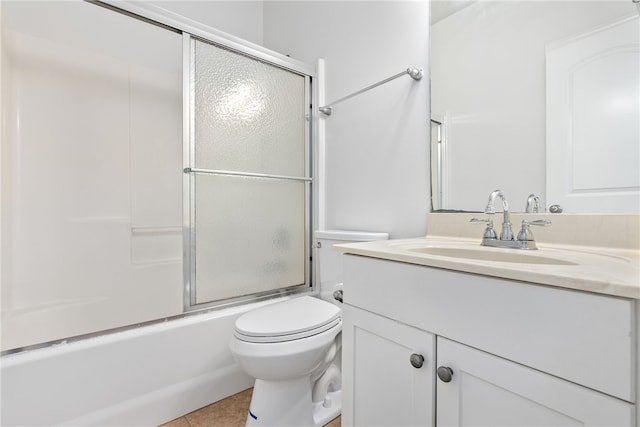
{"points": [[189, 28], [188, 216]]}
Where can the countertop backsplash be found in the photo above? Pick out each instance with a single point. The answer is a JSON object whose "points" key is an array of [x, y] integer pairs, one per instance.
{"points": [[620, 231]]}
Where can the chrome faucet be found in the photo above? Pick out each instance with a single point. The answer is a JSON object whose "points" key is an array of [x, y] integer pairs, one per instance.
{"points": [[524, 239], [533, 204], [506, 233]]}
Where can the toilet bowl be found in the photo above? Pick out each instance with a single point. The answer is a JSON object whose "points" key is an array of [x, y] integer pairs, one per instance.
{"points": [[289, 347], [293, 348]]}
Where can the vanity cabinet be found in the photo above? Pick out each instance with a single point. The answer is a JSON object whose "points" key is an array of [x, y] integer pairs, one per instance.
{"points": [[517, 353]]}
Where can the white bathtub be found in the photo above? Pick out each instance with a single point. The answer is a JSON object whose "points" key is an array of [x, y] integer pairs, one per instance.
{"points": [[139, 377]]}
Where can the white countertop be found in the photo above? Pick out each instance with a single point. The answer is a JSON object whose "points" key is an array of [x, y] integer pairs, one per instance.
{"points": [[608, 271]]}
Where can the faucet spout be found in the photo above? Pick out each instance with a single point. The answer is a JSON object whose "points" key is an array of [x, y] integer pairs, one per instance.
{"points": [[533, 204], [507, 232]]}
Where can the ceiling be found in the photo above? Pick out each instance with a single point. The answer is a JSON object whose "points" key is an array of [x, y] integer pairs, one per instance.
{"points": [[440, 9]]}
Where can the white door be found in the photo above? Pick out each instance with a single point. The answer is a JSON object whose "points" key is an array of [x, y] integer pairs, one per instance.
{"points": [[486, 390], [380, 385], [593, 121]]}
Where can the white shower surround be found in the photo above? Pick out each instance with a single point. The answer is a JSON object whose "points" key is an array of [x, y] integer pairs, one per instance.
{"points": [[92, 191]]}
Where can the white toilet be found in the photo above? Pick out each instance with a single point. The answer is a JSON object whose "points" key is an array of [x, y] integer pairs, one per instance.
{"points": [[292, 348]]}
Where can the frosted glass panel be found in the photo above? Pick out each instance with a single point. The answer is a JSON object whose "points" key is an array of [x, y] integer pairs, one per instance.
{"points": [[249, 115], [250, 236]]}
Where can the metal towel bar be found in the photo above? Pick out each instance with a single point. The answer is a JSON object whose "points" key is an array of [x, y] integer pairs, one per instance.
{"points": [[414, 73]]}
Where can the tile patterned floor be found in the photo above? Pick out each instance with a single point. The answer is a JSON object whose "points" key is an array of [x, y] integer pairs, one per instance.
{"points": [[229, 412]]}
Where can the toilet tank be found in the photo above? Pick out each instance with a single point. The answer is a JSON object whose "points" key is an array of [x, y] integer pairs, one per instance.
{"points": [[329, 261]]}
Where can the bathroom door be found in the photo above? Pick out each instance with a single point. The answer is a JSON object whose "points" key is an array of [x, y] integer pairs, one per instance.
{"points": [[248, 176]]}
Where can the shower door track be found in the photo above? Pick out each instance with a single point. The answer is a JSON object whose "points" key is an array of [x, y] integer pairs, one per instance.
{"points": [[155, 14], [246, 174]]}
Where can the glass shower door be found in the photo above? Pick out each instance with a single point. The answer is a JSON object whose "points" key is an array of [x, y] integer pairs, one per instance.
{"points": [[247, 160]]}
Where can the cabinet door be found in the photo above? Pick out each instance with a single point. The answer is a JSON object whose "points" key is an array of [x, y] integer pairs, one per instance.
{"points": [[381, 386], [486, 390]]}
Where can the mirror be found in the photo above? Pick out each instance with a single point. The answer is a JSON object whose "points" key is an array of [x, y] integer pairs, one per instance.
{"points": [[506, 116]]}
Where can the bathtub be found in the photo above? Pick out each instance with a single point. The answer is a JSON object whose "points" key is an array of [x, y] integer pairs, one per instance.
{"points": [[143, 376]]}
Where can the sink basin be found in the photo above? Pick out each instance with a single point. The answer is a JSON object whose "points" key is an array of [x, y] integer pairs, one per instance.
{"points": [[491, 255]]}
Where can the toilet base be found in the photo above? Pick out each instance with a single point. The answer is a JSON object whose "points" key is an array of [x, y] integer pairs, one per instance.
{"points": [[288, 403], [323, 412]]}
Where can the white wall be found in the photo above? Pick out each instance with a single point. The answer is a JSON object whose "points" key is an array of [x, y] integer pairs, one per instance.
{"points": [[377, 144], [488, 79]]}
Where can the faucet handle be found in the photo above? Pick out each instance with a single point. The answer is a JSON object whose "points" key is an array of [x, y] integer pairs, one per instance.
{"points": [[525, 233], [489, 232], [538, 222], [480, 220]]}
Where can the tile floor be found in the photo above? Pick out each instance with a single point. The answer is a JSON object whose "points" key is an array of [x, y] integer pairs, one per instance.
{"points": [[229, 412]]}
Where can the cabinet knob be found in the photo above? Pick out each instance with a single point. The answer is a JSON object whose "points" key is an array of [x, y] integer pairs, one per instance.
{"points": [[417, 360], [445, 373]]}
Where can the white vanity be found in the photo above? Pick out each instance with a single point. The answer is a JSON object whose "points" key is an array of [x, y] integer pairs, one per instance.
{"points": [[439, 331]]}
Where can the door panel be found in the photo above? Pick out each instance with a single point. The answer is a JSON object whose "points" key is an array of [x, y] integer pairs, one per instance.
{"points": [[380, 386], [486, 390], [593, 117]]}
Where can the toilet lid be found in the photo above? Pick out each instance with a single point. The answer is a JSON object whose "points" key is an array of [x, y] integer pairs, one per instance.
{"points": [[288, 320]]}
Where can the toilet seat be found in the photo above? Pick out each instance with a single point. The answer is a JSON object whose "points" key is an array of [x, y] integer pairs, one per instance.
{"points": [[289, 320]]}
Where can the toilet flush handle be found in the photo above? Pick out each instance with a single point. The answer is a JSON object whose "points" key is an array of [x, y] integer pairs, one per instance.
{"points": [[337, 295]]}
